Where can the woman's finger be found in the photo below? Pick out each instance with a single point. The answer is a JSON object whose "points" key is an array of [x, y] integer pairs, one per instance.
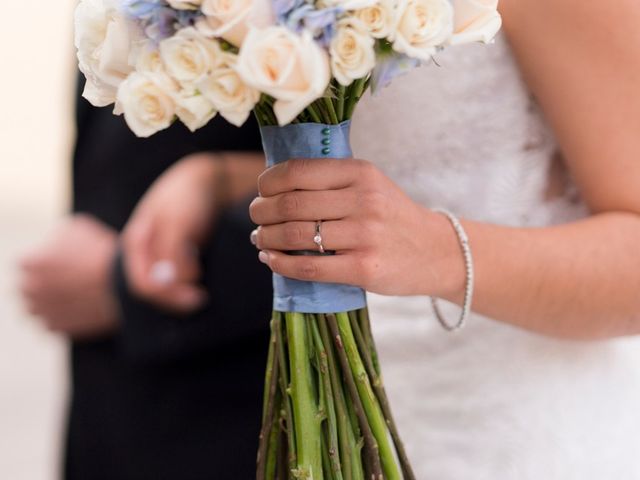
{"points": [[303, 206], [342, 268], [313, 174], [335, 235]]}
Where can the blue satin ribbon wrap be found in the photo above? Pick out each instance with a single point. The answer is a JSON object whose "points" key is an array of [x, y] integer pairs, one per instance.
{"points": [[310, 140]]}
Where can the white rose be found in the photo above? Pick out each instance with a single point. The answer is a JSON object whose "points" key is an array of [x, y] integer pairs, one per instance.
{"points": [[232, 19], [291, 68], [352, 51], [193, 109], [475, 21], [146, 58], [147, 103], [347, 4], [421, 26], [378, 18], [228, 93], [103, 38], [189, 57], [185, 4]]}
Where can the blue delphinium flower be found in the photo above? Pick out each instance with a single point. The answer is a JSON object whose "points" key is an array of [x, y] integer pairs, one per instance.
{"points": [[142, 9], [282, 8], [158, 19], [389, 66], [299, 15]]}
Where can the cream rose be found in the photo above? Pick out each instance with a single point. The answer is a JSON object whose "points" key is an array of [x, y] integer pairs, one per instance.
{"points": [[378, 18], [475, 21], [232, 19], [421, 26], [185, 4], [147, 103], [103, 38], [228, 93], [351, 51], [291, 68], [193, 109], [146, 58], [189, 57]]}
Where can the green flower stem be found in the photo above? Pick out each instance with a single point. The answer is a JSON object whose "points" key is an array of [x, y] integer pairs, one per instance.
{"points": [[365, 327], [272, 370], [329, 403], [314, 113], [356, 90], [266, 449], [322, 108], [369, 401], [305, 410], [326, 461], [272, 450], [353, 418], [260, 116], [283, 469], [349, 452], [340, 102], [370, 442], [271, 114], [286, 398], [381, 394], [356, 438], [331, 110], [269, 100]]}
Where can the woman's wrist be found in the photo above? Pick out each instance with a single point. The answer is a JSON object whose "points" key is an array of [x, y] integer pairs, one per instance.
{"points": [[444, 262]]}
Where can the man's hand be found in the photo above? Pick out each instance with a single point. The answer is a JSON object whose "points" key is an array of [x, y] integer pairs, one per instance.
{"points": [[65, 283], [162, 238], [174, 219]]}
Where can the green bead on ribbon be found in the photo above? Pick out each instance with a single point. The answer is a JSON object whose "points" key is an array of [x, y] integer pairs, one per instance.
{"points": [[326, 141]]}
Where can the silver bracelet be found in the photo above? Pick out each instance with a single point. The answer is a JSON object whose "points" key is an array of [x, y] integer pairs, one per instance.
{"points": [[468, 263]]}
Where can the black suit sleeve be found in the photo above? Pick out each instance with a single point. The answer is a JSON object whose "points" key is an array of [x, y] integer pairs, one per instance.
{"points": [[112, 170], [240, 300]]}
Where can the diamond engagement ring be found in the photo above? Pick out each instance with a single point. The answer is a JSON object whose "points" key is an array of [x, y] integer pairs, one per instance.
{"points": [[317, 239]]}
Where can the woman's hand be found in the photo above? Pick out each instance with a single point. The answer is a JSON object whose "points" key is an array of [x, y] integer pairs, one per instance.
{"points": [[384, 242], [174, 219]]}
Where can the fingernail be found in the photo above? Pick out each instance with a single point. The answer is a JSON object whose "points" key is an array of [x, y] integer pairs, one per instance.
{"points": [[254, 237], [264, 257], [163, 272]]}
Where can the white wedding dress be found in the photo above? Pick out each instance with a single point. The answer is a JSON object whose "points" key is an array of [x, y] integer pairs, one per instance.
{"points": [[491, 402]]}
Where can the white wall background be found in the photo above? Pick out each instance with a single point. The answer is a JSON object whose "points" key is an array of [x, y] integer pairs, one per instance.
{"points": [[35, 130]]}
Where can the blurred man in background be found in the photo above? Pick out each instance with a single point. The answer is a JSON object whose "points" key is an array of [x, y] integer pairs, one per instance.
{"points": [[158, 394]]}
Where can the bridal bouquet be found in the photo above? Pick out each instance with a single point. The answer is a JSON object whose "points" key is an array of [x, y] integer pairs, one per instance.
{"points": [[300, 66]]}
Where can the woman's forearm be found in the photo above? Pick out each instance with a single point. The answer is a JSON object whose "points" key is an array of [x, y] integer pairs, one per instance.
{"points": [[579, 280]]}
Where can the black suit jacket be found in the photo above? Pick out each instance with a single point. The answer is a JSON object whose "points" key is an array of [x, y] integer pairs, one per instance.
{"points": [[166, 397]]}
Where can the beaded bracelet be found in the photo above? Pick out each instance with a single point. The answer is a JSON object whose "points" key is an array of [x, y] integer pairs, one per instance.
{"points": [[468, 262]]}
